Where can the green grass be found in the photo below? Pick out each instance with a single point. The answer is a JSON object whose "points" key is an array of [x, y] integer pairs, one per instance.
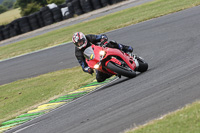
{"points": [[186, 120], [21, 95], [9, 16], [100, 25]]}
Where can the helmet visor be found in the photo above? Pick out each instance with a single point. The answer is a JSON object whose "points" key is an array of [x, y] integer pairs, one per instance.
{"points": [[81, 43]]}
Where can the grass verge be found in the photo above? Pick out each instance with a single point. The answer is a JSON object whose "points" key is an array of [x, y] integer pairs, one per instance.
{"points": [[100, 25], [21, 95], [186, 120]]}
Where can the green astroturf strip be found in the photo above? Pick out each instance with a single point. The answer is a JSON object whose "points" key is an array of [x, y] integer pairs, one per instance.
{"points": [[10, 125], [68, 97], [17, 120], [30, 114], [97, 83], [26, 117]]}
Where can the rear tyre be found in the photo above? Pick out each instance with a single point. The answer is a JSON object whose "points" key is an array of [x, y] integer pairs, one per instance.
{"points": [[143, 66], [127, 72]]}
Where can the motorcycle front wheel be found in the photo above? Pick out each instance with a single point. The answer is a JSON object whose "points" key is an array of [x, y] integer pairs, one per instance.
{"points": [[124, 71]]}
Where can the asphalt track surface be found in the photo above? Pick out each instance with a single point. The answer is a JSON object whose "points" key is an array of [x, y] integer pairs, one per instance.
{"points": [[170, 44], [49, 60]]}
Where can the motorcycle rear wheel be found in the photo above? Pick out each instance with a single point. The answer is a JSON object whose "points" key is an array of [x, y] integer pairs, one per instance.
{"points": [[143, 66], [121, 70]]}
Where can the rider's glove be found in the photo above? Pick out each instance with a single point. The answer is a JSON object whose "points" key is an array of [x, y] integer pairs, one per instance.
{"points": [[89, 70], [104, 38]]}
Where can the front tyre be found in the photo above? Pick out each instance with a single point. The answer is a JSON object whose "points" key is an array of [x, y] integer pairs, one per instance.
{"points": [[127, 72]]}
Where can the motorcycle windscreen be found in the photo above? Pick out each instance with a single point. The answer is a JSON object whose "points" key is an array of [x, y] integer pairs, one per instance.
{"points": [[89, 53]]}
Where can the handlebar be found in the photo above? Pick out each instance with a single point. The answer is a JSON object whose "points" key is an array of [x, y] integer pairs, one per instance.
{"points": [[104, 43]]}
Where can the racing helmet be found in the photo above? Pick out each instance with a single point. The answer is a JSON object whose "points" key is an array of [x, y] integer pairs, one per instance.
{"points": [[79, 40]]}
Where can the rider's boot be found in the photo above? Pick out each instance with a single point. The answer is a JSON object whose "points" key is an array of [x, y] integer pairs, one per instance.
{"points": [[127, 49], [124, 48]]}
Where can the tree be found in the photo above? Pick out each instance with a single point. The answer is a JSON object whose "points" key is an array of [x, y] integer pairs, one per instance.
{"points": [[8, 3], [31, 8], [15, 5], [1, 1], [34, 4], [3, 9], [58, 2], [23, 4]]}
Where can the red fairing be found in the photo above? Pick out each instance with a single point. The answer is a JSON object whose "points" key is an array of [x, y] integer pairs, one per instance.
{"points": [[96, 50], [124, 56], [110, 52], [113, 60]]}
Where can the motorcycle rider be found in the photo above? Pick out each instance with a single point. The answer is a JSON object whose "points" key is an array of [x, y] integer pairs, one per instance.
{"points": [[82, 42]]}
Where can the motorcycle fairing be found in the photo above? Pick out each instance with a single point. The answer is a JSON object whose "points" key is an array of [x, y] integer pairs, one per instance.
{"points": [[117, 52], [112, 55]]}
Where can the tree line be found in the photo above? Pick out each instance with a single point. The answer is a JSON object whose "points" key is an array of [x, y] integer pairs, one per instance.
{"points": [[27, 6], [7, 5]]}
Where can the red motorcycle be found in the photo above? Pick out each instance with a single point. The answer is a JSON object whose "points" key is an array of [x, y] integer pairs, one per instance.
{"points": [[113, 61]]}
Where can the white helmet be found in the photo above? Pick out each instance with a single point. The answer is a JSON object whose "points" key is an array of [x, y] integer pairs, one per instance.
{"points": [[79, 40]]}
